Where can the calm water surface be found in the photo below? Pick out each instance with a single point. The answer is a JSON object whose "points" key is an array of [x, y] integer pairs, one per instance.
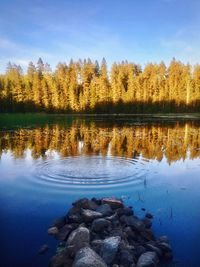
{"points": [[152, 165]]}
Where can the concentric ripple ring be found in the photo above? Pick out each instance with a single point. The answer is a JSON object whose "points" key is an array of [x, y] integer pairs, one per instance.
{"points": [[90, 171]]}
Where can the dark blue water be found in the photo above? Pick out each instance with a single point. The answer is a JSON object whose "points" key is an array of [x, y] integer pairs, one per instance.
{"points": [[42, 170]]}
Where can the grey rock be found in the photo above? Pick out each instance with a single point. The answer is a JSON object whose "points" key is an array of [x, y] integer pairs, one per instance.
{"points": [[147, 259], [133, 222], [129, 232], [164, 246], [147, 234], [64, 232], [60, 260], [164, 239], [151, 247], [114, 203], [140, 250], [99, 224], [96, 245], [78, 238], [74, 215], [86, 257], [60, 222], [113, 218], [104, 209], [126, 258], [109, 248], [90, 215], [85, 203], [52, 230], [124, 211]]}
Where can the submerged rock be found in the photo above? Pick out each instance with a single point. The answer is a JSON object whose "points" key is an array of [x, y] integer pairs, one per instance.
{"points": [[133, 222], [85, 203], [60, 222], [113, 202], [109, 248], [79, 236], [60, 260], [104, 209], [105, 233], [90, 215], [100, 224], [53, 230], [86, 257], [147, 259], [64, 232]]}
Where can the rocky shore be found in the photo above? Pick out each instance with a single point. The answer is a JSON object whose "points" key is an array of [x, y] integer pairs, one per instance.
{"points": [[106, 233]]}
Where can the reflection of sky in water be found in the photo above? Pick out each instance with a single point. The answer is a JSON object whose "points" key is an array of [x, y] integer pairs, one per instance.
{"points": [[35, 191]]}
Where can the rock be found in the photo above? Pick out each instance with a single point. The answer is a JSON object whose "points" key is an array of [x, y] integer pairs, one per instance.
{"points": [[149, 215], [85, 203], [164, 246], [147, 234], [90, 215], [60, 222], [97, 201], [151, 247], [164, 239], [74, 215], [60, 260], [124, 211], [126, 258], [147, 259], [109, 248], [43, 249], [118, 231], [86, 257], [113, 218], [104, 232], [133, 222], [53, 230], [130, 234], [77, 239], [147, 222], [114, 203], [75, 218], [140, 250], [96, 245], [64, 232], [99, 224], [105, 210]]}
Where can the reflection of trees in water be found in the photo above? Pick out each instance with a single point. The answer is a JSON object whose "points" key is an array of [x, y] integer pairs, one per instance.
{"points": [[151, 141]]}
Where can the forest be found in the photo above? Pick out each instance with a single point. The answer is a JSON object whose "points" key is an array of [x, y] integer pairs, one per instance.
{"points": [[89, 87]]}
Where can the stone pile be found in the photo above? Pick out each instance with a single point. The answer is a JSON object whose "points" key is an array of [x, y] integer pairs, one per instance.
{"points": [[106, 233]]}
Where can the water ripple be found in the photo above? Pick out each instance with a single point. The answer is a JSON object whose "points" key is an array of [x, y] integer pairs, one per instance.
{"points": [[90, 171]]}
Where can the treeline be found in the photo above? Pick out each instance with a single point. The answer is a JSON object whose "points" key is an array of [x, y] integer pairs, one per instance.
{"points": [[87, 87], [173, 142]]}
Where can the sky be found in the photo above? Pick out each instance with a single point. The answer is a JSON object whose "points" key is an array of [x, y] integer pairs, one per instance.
{"points": [[139, 31]]}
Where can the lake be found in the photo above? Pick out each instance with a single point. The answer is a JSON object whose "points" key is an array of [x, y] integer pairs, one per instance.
{"points": [[150, 162]]}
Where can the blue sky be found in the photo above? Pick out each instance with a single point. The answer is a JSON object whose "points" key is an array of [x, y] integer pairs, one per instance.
{"points": [[141, 31]]}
